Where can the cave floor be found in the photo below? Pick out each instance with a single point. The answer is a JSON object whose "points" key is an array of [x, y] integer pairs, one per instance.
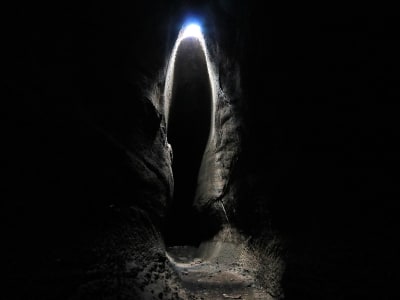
{"points": [[211, 279]]}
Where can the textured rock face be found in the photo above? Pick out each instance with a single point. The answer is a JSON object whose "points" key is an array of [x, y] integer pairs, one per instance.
{"points": [[150, 157], [89, 169], [90, 229], [220, 157]]}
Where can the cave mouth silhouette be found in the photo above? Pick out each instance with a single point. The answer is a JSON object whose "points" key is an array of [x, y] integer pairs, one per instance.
{"points": [[189, 126]]}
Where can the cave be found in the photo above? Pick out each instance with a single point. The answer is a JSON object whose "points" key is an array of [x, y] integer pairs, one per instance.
{"points": [[254, 157]]}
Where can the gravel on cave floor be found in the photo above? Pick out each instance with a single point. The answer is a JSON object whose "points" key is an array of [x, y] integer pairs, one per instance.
{"points": [[212, 279]]}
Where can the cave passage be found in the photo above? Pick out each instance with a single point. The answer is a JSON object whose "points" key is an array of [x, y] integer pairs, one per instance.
{"points": [[189, 125]]}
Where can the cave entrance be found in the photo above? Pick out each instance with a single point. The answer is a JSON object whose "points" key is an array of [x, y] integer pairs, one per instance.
{"points": [[189, 124]]}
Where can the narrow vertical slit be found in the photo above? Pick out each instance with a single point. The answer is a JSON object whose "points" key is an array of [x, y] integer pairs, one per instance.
{"points": [[189, 110]]}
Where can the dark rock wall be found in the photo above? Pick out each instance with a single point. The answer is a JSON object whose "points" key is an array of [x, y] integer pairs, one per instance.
{"points": [[320, 95], [87, 166]]}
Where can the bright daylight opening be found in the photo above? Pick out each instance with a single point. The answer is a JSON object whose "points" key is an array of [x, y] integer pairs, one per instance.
{"points": [[192, 30]]}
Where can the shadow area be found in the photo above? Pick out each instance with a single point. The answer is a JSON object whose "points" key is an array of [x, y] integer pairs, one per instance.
{"points": [[188, 132]]}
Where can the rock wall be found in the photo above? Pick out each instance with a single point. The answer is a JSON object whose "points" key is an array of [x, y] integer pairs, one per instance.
{"points": [[219, 161], [86, 160]]}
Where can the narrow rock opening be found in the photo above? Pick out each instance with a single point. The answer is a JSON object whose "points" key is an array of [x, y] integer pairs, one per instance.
{"points": [[189, 125]]}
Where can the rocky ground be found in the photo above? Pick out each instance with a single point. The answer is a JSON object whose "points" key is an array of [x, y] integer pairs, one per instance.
{"points": [[208, 280], [217, 269]]}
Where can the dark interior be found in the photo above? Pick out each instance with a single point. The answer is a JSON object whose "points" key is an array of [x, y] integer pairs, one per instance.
{"points": [[319, 163], [189, 125]]}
